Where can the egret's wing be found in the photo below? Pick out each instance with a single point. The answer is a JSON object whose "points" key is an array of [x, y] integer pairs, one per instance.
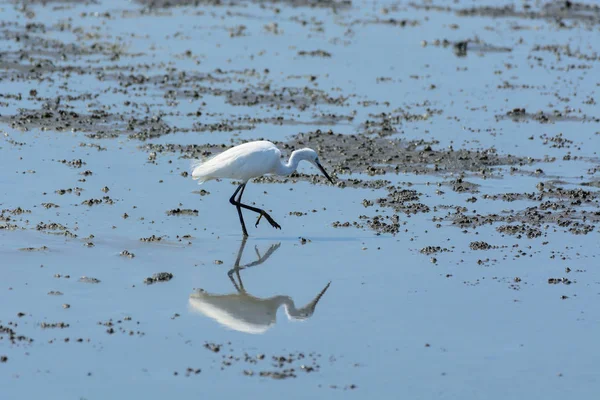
{"points": [[242, 162], [215, 166]]}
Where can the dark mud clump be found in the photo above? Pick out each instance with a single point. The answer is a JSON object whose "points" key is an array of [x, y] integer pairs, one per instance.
{"points": [[376, 156], [54, 325], [556, 281], [277, 366], [544, 117], [334, 4], [428, 250], [43, 248], [159, 277], [88, 279], [76, 191], [12, 335], [520, 230], [55, 228], [152, 238], [576, 210], [57, 119], [480, 246], [476, 45], [461, 186], [557, 10], [383, 223], [315, 53], [185, 211], [403, 200], [103, 200]]}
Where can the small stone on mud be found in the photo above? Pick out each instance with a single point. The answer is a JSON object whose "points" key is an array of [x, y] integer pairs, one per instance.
{"points": [[215, 348], [126, 253]]}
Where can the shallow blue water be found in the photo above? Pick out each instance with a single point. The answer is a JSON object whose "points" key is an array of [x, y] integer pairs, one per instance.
{"points": [[393, 323]]}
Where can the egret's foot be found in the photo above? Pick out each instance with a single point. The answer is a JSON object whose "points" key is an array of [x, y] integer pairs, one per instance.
{"points": [[268, 217]]}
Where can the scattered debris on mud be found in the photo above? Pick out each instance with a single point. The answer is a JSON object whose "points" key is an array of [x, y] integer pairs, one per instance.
{"points": [[159, 277]]}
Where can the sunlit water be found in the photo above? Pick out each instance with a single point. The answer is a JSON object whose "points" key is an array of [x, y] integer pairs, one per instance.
{"points": [[393, 322]]}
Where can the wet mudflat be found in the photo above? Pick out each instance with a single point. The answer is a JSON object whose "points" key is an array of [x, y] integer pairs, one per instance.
{"points": [[456, 256]]}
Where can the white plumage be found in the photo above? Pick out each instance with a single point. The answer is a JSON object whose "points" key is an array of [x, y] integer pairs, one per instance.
{"points": [[243, 162], [251, 160]]}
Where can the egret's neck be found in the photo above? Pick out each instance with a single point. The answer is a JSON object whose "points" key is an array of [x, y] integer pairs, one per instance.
{"points": [[303, 312], [290, 307], [292, 164]]}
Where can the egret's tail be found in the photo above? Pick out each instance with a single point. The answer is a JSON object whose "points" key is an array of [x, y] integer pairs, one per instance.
{"points": [[196, 171], [195, 163]]}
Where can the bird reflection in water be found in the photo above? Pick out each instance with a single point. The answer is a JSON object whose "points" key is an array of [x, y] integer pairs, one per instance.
{"points": [[246, 313]]}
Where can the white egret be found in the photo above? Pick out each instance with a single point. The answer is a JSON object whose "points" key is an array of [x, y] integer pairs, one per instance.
{"points": [[244, 312], [252, 160]]}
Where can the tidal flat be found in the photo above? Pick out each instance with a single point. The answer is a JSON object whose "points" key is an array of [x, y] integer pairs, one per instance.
{"points": [[454, 258]]}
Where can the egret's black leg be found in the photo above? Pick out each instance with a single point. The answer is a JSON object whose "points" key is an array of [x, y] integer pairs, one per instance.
{"points": [[237, 204], [262, 213]]}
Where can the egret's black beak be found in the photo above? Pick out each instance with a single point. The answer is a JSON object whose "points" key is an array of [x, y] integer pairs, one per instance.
{"points": [[325, 172]]}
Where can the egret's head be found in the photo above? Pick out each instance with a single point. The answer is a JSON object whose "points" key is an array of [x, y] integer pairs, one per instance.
{"points": [[311, 156], [308, 310]]}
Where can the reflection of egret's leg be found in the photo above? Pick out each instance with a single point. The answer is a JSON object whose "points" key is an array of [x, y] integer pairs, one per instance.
{"points": [[236, 267], [264, 257], [271, 250], [257, 252], [240, 252], [237, 272], [239, 285]]}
